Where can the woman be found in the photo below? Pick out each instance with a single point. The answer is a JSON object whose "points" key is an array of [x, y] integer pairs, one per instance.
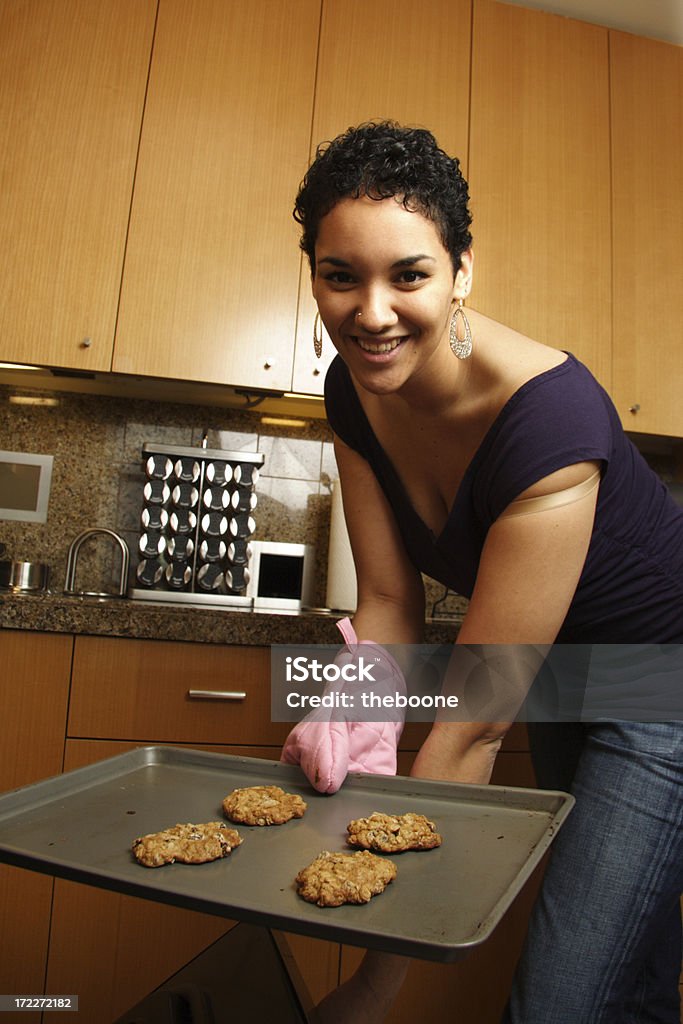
{"points": [[498, 466]]}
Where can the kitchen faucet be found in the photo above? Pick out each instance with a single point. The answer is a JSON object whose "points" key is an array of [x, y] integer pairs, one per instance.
{"points": [[72, 562]]}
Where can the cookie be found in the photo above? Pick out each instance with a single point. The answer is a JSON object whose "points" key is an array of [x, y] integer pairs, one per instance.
{"points": [[263, 805], [188, 844], [336, 878], [393, 833]]}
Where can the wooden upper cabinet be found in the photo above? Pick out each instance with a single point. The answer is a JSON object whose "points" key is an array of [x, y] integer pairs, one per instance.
{"points": [[72, 87], [212, 265], [387, 59], [540, 178], [647, 176]]}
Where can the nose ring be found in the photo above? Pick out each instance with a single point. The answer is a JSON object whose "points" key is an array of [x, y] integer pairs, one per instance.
{"points": [[358, 315]]}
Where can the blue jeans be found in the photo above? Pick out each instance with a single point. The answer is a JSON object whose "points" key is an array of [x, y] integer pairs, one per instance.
{"points": [[604, 942]]}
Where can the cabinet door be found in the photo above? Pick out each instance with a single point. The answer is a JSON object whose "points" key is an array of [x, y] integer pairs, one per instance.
{"points": [[381, 60], [72, 88], [647, 172], [35, 692], [539, 177], [212, 264]]}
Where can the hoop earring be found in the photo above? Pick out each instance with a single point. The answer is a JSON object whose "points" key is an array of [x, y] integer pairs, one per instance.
{"points": [[318, 336], [461, 348]]}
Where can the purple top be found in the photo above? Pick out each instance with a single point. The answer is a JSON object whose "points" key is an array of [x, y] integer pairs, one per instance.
{"points": [[631, 587]]}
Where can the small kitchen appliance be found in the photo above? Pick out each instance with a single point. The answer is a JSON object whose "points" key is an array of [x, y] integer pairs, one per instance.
{"points": [[281, 576]]}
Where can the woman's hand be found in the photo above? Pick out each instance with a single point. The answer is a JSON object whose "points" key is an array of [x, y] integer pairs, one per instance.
{"points": [[327, 745]]}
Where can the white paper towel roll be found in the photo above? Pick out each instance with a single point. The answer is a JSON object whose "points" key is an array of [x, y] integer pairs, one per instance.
{"points": [[341, 574]]}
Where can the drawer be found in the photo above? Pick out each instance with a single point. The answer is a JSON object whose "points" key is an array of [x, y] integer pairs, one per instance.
{"points": [[142, 690]]}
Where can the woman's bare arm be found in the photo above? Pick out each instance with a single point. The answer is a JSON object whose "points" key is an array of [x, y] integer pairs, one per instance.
{"points": [[390, 590], [528, 574]]}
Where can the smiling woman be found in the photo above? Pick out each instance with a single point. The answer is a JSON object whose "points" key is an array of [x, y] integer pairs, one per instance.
{"points": [[476, 456]]}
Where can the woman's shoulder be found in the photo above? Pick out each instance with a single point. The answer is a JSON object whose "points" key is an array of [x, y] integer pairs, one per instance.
{"points": [[516, 370], [558, 409], [508, 359], [554, 414], [344, 412], [338, 388]]}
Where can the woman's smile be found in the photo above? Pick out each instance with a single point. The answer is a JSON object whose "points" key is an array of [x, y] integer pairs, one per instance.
{"points": [[379, 348]]}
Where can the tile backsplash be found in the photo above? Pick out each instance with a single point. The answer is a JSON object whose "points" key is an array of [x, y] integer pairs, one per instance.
{"points": [[98, 474], [98, 477]]}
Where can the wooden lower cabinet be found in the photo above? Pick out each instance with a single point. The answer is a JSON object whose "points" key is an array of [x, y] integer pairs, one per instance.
{"points": [[25, 902], [111, 950], [35, 692], [143, 690]]}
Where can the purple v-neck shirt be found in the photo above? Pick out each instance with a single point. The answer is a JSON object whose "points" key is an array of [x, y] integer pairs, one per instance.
{"points": [[631, 587]]}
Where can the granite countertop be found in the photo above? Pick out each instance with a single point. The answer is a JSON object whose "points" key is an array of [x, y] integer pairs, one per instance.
{"points": [[147, 620]]}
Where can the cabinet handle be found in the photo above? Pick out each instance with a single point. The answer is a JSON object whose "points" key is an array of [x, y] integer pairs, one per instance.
{"points": [[216, 695]]}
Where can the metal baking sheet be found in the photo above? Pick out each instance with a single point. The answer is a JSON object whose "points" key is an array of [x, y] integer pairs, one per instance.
{"points": [[80, 826]]}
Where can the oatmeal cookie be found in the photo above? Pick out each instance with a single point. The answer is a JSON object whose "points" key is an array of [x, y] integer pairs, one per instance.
{"points": [[188, 844], [393, 833], [263, 805], [336, 878]]}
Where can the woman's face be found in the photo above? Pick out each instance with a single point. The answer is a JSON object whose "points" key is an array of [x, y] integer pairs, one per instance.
{"points": [[385, 289]]}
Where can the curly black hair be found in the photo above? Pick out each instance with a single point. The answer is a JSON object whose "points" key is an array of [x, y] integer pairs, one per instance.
{"points": [[380, 159]]}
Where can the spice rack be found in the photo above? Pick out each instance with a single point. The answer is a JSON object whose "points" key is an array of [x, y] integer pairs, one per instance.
{"points": [[195, 525]]}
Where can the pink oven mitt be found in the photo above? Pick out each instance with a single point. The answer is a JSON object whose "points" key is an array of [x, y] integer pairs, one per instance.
{"points": [[327, 750]]}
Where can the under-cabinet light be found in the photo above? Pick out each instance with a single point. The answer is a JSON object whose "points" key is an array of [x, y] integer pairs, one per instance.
{"points": [[299, 394], [32, 400], [282, 421]]}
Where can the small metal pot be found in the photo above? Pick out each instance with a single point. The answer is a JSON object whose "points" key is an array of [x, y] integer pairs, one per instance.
{"points": [[23, 577]]}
